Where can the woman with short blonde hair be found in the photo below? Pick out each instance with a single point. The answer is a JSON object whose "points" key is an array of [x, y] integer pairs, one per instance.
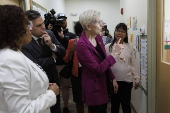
{"points": [[97, 76]]}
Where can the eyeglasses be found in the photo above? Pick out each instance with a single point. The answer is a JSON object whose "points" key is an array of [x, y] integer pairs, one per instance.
{"points": [[30, 25], [118, 31], [40, 25], [99, 22]]}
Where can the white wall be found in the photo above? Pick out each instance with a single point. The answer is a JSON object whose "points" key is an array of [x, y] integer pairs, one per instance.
{"points": [[109, 11], [167, 10], [57, 5], [136, 8]]}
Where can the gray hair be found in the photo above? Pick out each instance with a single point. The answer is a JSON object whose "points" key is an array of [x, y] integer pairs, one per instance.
{"points": [[88, 17]]}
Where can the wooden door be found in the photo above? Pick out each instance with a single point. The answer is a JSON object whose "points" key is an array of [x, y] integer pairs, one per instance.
{"points": [[163, 64]]}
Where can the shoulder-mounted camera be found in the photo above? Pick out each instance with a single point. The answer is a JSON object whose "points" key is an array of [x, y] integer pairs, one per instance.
{"points": [[51, 19]]}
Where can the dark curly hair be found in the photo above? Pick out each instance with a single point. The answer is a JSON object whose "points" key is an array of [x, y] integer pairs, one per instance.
{"points": [[13, 24]]}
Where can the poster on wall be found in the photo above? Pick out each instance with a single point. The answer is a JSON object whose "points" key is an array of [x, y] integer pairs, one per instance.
{"points": [[134, 23], [39, 8], [143, 55], [167, 35], [131, 39], [128, 22], [143, 62], [137, 43]]}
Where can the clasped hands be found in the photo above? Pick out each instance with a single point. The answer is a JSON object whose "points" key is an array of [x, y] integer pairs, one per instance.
{"points": [[54, 87]]}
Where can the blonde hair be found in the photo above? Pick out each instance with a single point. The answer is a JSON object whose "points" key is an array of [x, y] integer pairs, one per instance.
{"points": [[88, 17]]}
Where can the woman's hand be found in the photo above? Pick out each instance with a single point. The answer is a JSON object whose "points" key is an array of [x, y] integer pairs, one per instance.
{"points": [[136, 85], [115, 85], [54, 87], [117, 48], [73, 48]]}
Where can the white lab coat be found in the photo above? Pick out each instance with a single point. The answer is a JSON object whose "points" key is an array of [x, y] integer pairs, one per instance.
{"points": [[23, 85]]}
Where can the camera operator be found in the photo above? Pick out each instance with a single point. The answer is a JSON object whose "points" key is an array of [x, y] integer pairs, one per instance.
{"points": [[67, 35], [106, 36], [63, 39], [59, 27]]}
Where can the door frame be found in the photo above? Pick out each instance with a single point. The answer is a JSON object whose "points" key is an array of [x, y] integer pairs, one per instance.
{"points": [[151, 55]]}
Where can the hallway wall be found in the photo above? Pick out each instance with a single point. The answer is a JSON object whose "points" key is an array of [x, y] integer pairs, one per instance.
{"points": [[110, 12], [167, 15], [57, 5], [137, 8]]}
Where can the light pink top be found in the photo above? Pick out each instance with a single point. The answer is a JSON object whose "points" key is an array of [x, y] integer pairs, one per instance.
{"points": [[126, 70]]}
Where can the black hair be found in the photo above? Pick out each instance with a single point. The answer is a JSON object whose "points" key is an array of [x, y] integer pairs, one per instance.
{"points": [[78, 29], [32, 14], [119, 26]]}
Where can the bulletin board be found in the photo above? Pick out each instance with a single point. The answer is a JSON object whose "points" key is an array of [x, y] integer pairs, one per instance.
{"points": [[143, 62], [39, 8]]}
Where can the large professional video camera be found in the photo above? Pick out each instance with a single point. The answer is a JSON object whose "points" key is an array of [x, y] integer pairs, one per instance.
{"points": [[106, 30], [51, 19]]}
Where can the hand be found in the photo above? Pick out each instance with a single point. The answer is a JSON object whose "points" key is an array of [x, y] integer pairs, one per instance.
{"points": [[54, 55], [136, 85], [115, 85], [61, 34], [50, 26], [109, 35], [117, 48], [73, 48], [47, 39], [54, 87]]}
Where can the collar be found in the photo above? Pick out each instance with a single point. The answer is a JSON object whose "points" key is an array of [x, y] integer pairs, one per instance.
{"points": [[65, 31], [35, 38]]}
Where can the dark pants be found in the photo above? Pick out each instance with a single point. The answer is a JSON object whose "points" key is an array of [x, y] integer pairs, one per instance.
{"points": [[98, 109], [56, 107], [77, 87], [122, 97]]}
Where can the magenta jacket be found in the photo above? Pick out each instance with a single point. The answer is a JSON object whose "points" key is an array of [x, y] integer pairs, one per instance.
{"points": [[94, 71]]}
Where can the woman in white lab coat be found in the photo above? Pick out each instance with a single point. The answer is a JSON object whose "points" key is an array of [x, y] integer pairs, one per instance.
{"points": [[24, 87]]}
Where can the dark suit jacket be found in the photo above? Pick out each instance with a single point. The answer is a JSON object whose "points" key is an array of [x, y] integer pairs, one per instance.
{"points": [[94, 71], [42, 56], [64, 42]]}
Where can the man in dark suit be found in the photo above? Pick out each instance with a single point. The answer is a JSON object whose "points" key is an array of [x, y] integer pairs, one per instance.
{"points": [[43, 50]]}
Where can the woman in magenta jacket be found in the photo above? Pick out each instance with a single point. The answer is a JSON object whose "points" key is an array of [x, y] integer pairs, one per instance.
{"points": [[96, 72]]}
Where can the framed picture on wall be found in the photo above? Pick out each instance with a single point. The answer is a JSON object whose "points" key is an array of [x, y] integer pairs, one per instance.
{"points": [[39, 8]]}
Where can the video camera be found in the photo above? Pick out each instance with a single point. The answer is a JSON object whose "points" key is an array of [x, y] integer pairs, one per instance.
{"points": [[106, 30], [51, 19]]}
